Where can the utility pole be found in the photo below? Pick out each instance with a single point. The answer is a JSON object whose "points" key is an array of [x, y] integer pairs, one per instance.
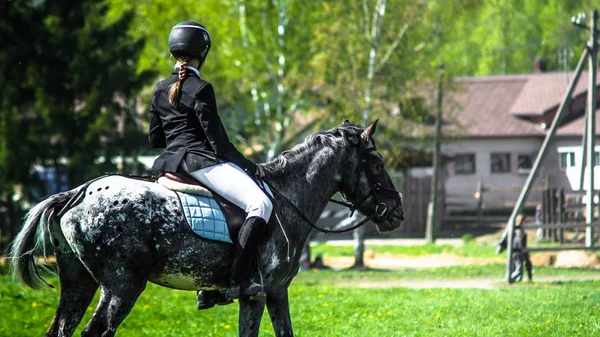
{"points": [[433, 204], [591, 129]]}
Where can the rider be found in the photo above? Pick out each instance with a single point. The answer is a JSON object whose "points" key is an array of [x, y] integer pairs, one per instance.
{"points": [[184, 119]]}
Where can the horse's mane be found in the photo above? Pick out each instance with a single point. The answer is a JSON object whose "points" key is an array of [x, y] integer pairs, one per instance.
{"points": [[332, 138]]}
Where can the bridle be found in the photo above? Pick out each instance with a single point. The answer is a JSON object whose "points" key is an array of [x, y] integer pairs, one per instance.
{"points": [[381, 210]]}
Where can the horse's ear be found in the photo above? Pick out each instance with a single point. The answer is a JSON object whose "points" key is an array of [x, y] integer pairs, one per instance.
{"points": [[368, 133], [346, 121]]}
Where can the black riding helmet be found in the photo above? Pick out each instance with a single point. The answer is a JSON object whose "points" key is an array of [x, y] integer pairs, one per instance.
{"points": [[189, 38]]}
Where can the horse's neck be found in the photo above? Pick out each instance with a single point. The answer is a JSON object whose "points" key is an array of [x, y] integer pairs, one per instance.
{"points": [[309, 182]]}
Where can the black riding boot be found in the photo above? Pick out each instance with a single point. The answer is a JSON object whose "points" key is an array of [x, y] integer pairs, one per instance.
{"points": [[244, 262]]}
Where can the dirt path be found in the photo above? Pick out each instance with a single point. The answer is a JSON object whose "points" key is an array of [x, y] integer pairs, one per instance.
{"points": [[394, 262], [464, 283], [383, 261]]}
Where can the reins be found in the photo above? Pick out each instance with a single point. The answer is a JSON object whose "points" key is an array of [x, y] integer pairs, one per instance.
{"points": [[305, 218]]}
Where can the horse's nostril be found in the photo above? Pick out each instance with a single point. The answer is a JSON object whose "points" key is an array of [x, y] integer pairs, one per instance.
{"points": [[402, 217]]}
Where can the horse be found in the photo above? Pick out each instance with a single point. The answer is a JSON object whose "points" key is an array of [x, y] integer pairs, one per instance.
{"points": [[121, 233]]}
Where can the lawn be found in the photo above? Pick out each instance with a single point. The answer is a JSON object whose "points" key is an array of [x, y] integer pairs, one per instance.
{"points": [[327, 303], [468, 250], [324, 303], [488, 271]]}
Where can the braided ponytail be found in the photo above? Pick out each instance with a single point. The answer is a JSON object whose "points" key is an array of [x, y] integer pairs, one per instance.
{"points": [[175, 88]]}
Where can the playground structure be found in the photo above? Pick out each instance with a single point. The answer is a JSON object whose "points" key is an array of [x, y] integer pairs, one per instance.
{"points": [[590, 54]]}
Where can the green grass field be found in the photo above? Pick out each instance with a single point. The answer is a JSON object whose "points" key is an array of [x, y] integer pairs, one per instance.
{"points": [[329, 303], [468, 250]]}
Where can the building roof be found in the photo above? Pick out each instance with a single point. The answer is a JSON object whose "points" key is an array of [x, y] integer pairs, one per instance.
{"points": [[514, 105], [543, 91], [483, 105]]}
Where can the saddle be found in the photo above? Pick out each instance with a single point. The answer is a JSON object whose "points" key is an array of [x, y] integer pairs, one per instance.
{"points": [[196, 200]]}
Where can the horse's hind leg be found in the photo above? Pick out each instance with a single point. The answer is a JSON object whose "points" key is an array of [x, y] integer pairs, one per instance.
{"points": [[120, 289], [77, 291]]}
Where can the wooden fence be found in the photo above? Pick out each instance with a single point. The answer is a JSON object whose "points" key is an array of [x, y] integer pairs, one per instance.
{"points": [[417, 194], [482, 204]]}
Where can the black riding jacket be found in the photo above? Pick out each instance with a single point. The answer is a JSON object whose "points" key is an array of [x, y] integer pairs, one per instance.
{"points": [[191, 132]]}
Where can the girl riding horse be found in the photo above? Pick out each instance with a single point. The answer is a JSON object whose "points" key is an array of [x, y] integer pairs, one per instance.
{"points": [[184, 119]]}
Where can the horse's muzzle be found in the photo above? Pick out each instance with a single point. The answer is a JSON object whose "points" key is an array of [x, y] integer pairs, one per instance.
{"points": [[391, 223]]}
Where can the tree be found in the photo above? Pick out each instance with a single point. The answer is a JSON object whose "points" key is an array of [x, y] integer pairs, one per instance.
{"points": [[260, 63], [69, 74], [370, 60], [504, 37]]}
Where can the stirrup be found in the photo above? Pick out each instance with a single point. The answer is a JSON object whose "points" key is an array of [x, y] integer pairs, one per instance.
{"points": [[255, 291], [210, 298]]}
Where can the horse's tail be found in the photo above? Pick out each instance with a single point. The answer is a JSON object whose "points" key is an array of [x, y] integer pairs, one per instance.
{"points": [[32, 237]]}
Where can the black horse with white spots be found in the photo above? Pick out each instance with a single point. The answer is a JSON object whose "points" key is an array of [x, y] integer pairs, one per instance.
{"points": [[121, 233]]}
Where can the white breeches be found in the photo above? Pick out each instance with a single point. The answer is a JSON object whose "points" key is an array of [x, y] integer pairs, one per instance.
{"points": [[232, 183]]}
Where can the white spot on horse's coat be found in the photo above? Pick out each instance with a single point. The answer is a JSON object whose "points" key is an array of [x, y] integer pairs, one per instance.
{"points": [[91, 234], [274, 262]]}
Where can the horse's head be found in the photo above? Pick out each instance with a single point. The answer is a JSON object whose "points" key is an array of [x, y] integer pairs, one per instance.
{"points": [[366, 183]]}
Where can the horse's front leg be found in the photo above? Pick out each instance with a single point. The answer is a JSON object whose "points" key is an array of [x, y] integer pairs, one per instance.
{"points": [[279, 311], [251, 312]]}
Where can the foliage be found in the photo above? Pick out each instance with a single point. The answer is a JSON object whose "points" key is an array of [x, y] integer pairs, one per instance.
{"points": [[72, 86], [282, 69], [325, 309], [467, 238], [257, 63], [286, 68], [504, 37]]}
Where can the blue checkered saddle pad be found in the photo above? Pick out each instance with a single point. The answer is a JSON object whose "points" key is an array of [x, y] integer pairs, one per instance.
{"points": [[204, 216]]}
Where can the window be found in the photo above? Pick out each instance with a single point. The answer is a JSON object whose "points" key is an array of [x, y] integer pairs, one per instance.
{"points": [[566, 159], [525, 162], [596, 159], [464, 163], [500, 162]]}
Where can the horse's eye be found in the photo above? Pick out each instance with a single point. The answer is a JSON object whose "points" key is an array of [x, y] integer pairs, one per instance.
{"points": [[379, 167]]}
